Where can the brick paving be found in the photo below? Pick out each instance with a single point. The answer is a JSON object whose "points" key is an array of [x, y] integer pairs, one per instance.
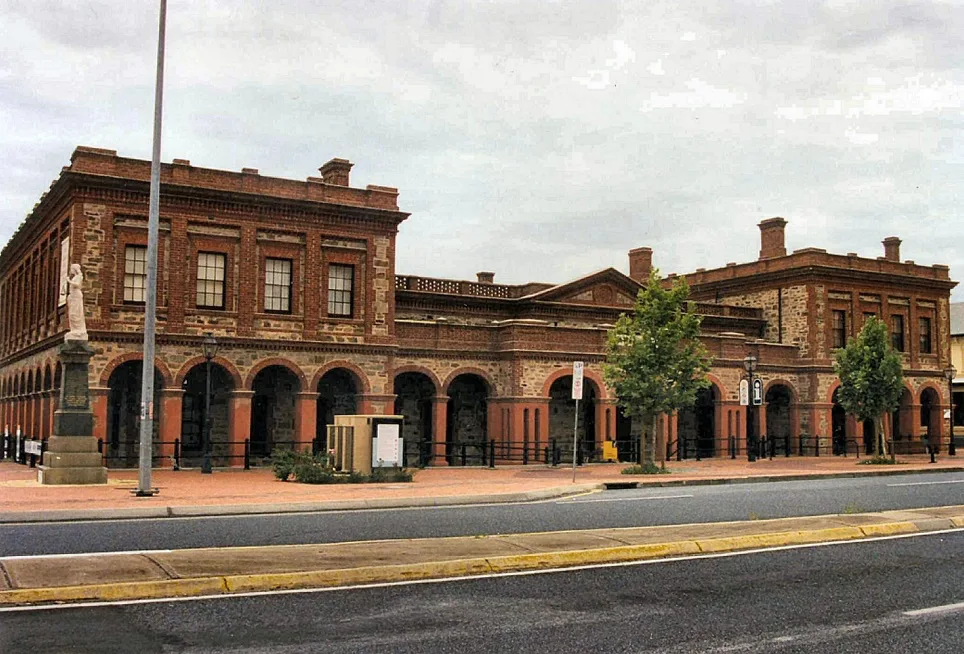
{"points": [[19, 490]]}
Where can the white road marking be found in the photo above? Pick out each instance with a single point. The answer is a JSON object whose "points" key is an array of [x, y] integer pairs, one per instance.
{"points": [[444, 580], [625, 499], [27, 557], [928, 483], [947, 608]]}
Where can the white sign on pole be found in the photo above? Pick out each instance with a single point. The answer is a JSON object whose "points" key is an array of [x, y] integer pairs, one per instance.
{"points": [[744, 392], [64, 266], [577, 370]]}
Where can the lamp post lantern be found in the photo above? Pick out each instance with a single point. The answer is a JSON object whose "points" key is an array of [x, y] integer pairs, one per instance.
{"points": [[749, 364], [210, 348], [950, 374]]}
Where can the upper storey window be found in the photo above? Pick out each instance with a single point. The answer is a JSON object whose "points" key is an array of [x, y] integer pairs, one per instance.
{"points": [[135, 273], [277, 285], [925, 336], [897, 332], [210, 280], [341, 282], [839, 329]]}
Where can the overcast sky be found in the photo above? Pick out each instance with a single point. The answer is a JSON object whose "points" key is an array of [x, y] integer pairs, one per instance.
{"points": [[540, 140]]}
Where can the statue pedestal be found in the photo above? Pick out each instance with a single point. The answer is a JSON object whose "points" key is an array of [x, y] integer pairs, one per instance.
{"points": [[72, 456]]}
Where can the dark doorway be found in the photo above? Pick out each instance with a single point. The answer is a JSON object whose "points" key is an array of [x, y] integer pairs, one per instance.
{"points": [[838, 427], [192, 412], [467, 419], [123, 414], [696, 425], [337, 396], [413, 401], [273, 409]]}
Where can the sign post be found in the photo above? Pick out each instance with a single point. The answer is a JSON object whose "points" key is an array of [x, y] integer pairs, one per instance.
{"points": [[577, 374]]}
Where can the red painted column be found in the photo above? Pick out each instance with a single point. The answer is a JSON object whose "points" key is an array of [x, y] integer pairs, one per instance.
{"points": [[46, 402], [98, 406], [440, 405], [169, 424], [306, 418], [239, 424]]}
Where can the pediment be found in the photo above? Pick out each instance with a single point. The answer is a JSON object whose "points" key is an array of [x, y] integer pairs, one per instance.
{"points": [[606, 288]]}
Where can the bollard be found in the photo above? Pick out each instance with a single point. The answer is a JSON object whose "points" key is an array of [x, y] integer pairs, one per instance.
{"points": [[492, 453], [525, 454], [177, 454], [932, 451], [247, 453]]}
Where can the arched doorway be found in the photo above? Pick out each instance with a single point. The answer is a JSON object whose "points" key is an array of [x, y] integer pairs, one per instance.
{"points": [[838, 426], [779, 428], [930, 417], [562, 415], [696, 425], [870, 437], [273, 409], [627, 436], [123, 411], [900, 424], [413, 400], [467, 425], [192, 413], [337, 396]]}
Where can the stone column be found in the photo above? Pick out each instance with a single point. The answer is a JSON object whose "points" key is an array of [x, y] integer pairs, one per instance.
{"points": [[72, 456]]}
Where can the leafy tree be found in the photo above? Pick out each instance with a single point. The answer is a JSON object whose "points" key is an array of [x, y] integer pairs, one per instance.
{"points": [[871, 378], [655, 361]]}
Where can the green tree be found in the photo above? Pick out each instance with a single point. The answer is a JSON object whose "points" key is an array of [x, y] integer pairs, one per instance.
{"points": [[655, 361], [871, 378]]}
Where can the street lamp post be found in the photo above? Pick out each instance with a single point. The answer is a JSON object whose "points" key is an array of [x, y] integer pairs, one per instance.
{"points": [[210, 349], [749, 364], [950, 373]]}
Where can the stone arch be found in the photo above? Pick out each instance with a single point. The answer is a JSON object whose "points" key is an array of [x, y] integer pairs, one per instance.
{"points": [[276, 384], [401, 370], [931, 422], [229, 368], [48, 377], [338, 389], [780, 381], [697, 426], [559, 373], [562, 412], [929, 385], [159, 365], [720, 386], [831, 390], [360, 378], [194, 407], [469, 370], [292, 367], [123, 408]]}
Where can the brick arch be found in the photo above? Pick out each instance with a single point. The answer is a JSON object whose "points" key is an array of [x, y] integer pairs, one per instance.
{"points": [[31, 386], [275, 361], [567, 372], [469, 370], [361, 379], [198, 360], [835, 385], [401, 370], [48, 379], [112, 365], [931, 385], [720, 386], [794, 395]]}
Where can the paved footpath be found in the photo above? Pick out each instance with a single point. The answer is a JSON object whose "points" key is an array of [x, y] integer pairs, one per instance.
{"points": [[27, 580]]}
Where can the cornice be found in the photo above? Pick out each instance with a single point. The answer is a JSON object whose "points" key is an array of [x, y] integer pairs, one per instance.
{"points": [[815, 274]]}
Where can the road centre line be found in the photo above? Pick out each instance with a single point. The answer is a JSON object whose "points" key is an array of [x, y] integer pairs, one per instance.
{"points": [[928, 483], [626, 499], [522, 573]]}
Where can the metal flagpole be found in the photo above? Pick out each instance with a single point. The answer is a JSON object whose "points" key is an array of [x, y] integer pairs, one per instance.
{"points": [[150, 309]]}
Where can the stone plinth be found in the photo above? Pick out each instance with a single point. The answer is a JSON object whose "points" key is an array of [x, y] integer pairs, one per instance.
{"points": [[72, 456]]}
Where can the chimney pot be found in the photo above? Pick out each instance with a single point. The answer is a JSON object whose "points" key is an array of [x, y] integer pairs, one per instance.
{"points": [[485, 277], [640, 264], [336, 172], [772, 242], [892, 248]]}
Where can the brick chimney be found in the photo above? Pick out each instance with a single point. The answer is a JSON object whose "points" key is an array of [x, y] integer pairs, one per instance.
{"points": [[891, 248], [640, 263], [336, 172], [485, 277], [772, 238]]}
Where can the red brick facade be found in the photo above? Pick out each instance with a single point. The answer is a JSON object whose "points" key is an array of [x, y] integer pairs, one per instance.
{"points": [[464, 361]]}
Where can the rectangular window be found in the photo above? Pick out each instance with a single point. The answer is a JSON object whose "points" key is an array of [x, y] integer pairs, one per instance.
{"points": [[897, 332], [210, 280], [340, 290], [925, 336], [839, 329], [135, 274], [277, 285]]}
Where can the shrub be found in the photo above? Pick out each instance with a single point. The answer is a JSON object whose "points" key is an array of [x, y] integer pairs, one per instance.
{"points": [[283, 463], [310, 473], [645, 469], [880, 460]]}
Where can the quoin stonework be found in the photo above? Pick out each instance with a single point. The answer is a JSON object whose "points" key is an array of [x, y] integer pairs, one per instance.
{"points": [[296, 280]]}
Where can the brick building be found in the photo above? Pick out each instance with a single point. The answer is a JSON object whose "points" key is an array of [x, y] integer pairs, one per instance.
{"points": [[297, 282]]}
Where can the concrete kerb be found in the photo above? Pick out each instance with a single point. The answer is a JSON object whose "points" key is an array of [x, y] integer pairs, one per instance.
{"points": [[367, 574]]}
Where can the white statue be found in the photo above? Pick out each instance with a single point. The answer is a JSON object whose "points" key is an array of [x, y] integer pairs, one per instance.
{"points": [[75, 305]]}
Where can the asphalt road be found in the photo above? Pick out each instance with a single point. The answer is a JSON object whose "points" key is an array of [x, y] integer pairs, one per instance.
{"points": [[625, 508], [870, 596]]}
